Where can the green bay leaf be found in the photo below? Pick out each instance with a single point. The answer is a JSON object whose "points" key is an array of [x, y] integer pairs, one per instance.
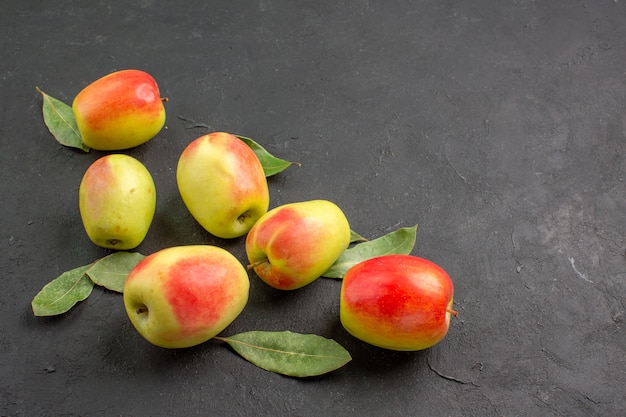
{"points": [[355, 237], [271, 164], [63, 292], [400, 241], [112, 270], [287, 353], [60, 120]]}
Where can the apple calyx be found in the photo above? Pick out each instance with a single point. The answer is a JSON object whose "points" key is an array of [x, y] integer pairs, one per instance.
{"points": [[257, 263], [242, 218]]}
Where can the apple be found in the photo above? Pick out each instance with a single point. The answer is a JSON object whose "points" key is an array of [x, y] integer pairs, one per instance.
{"points": [[294, 244], [182, 296], [117, 200], [222, 183], [120, 110], [397, 302]]}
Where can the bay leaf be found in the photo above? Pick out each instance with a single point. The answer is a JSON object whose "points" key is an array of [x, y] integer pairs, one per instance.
{"points": [[355, 237], [112, 270], [271, 164], [287, 353], [60, 120], [63, 292], [400, 241]]}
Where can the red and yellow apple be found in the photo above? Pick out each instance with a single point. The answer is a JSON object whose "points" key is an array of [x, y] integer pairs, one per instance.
{"points": [[222, 183], [294, 244], [120, 110], [397, 302], [182, 296], [117, 200]]}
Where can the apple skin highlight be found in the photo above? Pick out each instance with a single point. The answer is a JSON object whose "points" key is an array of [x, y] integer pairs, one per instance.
{"points": [[397, 302]]}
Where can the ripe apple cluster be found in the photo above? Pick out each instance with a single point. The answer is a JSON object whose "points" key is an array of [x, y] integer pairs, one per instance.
{"points": [[185, 295]]}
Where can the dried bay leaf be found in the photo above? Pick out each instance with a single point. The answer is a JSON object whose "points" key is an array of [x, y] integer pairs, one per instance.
{"points": [[60, 120], [62, 293], [111, 271], [287, 353], [399, 241]]}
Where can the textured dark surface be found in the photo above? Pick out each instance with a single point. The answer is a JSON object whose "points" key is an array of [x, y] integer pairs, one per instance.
{"points": [[498, 126]]}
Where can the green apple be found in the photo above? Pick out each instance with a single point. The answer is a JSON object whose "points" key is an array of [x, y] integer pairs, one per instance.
{"points": [[182, 296], [397, 302], [117, 200], [222, 183], [294, 244], [119, 111]]}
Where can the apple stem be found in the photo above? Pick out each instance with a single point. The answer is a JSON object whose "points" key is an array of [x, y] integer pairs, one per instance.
{"points": [[257, 263], [453, 312], [164, 99]]}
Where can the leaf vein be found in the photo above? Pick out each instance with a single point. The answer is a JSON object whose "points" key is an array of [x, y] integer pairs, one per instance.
{"points": [[56, 111], [69, 290], [229, 340]]}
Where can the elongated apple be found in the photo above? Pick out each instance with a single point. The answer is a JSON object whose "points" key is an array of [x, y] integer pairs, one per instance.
{"points": [[294, 244], [397, 302], [120, 110], [222, 183], [117, 200], [182, 296]]}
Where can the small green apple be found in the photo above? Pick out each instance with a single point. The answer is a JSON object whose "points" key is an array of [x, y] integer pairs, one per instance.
{"points": [[222, 183], [120, 110], [182, 296], [294, 244], [117, 200], [397, 302]]}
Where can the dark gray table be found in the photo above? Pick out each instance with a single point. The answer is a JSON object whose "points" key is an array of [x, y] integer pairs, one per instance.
{"points": [[497, 126]]}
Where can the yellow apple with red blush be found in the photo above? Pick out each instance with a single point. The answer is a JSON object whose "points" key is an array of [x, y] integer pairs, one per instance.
{"points": [[119, 111], [294, 244], [397, 302], [182, 296], [222, 183], [117, 201]]}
